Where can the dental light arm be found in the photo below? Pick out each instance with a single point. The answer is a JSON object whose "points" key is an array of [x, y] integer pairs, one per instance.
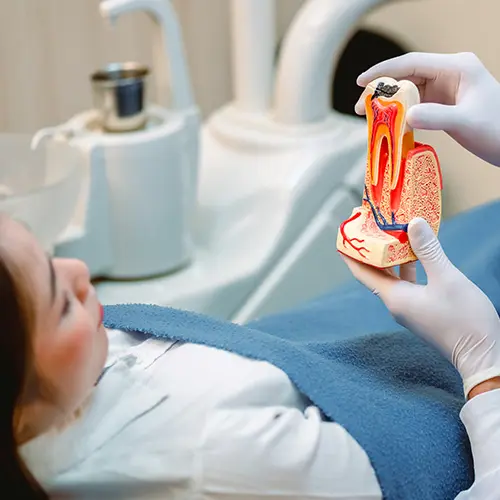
{"points": [[310, 52]]}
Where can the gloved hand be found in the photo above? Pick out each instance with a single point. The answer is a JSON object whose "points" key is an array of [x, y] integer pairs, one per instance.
{"points": [[450, 312], [458, 96]]}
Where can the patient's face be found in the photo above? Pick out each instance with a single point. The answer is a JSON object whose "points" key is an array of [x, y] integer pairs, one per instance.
{"points": [[69, 342]]}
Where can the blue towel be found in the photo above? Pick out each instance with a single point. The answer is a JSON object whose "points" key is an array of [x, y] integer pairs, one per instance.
{"points": [[394, 394]]}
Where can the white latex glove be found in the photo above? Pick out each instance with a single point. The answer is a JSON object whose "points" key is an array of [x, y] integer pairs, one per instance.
{"points": [[450, 312], [458, 96]]}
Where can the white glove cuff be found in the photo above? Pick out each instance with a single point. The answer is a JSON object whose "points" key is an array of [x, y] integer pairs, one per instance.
{"points": [[477, 378]]}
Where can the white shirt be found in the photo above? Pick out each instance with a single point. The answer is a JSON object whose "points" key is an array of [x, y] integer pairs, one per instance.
{"points": [[182, 421], [481, 417]]}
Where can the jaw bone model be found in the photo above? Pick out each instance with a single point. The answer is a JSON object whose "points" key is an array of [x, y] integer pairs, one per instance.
{"points": [[403, 180]]}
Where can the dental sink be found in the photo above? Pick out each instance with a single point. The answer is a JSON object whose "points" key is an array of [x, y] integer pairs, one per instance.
{"points": [[38, 188]]}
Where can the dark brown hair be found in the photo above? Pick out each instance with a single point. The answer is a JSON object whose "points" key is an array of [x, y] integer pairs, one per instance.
{"points": [[15, 363]]}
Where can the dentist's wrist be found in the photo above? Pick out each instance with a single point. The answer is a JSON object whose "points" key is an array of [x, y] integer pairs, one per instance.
{"points": [[486, 386]]}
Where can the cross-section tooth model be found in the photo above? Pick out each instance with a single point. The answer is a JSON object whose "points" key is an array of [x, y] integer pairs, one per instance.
{"points": [[403, 180]]}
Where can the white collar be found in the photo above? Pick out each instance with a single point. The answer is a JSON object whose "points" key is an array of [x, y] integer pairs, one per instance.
{"points": [[111, 407]]}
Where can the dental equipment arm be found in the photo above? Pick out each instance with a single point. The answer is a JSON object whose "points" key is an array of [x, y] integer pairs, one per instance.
{"points": [[311, 50], [454, 315], [458, 95], [253, 56]]}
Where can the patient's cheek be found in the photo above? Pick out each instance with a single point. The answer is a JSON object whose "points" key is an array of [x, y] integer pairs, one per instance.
{"points": [[67, 358]]}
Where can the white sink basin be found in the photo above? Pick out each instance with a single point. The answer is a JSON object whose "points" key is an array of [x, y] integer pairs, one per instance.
{"points": [[39, 188]]}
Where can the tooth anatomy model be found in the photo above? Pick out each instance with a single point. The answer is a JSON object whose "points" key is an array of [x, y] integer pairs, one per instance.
{"points": [[403, 180]]}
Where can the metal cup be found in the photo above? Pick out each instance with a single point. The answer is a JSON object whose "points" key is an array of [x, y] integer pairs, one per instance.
{"points": [[119, 92]]}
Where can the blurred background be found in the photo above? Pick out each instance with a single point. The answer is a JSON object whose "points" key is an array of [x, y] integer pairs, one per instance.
{"points": [[49, 47]]}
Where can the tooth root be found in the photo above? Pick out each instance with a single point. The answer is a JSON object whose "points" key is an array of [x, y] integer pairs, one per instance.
{"points": [[386, 116]]}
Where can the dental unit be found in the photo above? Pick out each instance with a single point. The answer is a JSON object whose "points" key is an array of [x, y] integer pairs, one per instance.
{"points": [[236, 218], [140, 163]]}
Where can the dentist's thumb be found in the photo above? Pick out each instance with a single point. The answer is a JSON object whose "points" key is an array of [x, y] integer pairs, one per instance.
{"points": [[432, 116], [427, 248]]}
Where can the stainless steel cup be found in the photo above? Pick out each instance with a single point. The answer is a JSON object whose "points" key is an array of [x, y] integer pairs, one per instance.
{"points": [[119, 92]]}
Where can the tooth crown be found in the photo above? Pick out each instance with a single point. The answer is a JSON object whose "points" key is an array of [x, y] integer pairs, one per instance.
{"points": [[390, 139], [402, 181]]}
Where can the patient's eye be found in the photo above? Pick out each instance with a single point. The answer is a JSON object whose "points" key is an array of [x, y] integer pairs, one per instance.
{"points": [[66, 306]]}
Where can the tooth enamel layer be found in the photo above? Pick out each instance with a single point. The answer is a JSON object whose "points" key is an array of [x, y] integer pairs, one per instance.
{"points": [[389, 136]]}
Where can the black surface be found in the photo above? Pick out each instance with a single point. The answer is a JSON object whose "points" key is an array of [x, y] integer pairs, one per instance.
{"points": [[363, 50]]}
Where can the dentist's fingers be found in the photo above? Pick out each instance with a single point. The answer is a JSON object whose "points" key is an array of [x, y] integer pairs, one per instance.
{"points": [[408, 272], [431, 116], [359, 107], [378, 281], [415, 65]]}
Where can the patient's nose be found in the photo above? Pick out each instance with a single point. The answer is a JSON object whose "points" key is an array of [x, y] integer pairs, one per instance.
{"points": [[77, 273]]}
